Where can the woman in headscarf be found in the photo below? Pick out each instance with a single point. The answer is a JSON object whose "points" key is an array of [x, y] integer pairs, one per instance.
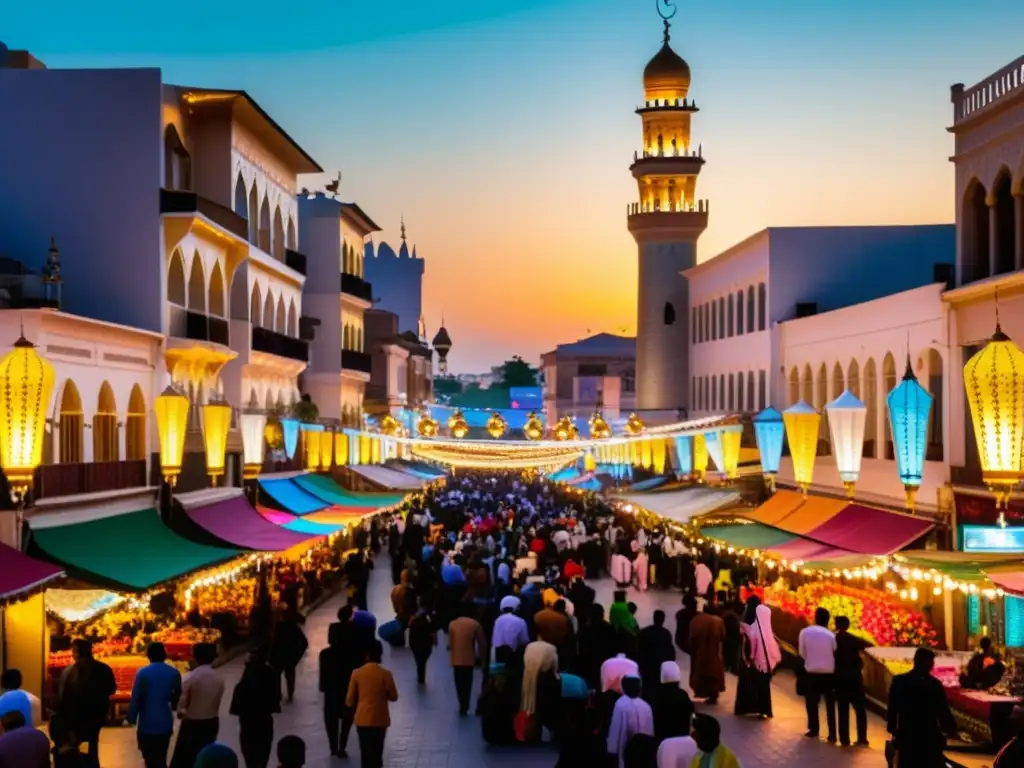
{"points": [[540, 683], [673, 709], [760, 656]]}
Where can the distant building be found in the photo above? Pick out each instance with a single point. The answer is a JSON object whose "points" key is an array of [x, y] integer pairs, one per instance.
{"points": [[398, 283], [401, 366], [598, 372]]}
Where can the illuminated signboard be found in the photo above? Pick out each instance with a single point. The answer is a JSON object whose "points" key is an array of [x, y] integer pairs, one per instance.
{"points": [[983, 538]]}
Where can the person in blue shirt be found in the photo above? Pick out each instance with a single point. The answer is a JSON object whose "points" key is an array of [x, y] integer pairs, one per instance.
{"points": [[155, 697]]}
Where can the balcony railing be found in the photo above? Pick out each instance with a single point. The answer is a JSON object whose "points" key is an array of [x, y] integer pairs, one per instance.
{"points": [[265, 340], [295, 260], [355, 361], [94, 477], [186, 324], [354, 285], [177, 201]]}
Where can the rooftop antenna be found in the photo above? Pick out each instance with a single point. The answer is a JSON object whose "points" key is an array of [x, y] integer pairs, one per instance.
{"points": [[403, 228]]}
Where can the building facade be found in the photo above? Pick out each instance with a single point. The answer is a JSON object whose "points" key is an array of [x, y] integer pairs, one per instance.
{"points": [[398, 281], [334, 235], [596, 373], [401, 366]]}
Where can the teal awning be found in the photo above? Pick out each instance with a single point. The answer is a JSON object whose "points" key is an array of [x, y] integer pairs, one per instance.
{"points": [[325, 488]]}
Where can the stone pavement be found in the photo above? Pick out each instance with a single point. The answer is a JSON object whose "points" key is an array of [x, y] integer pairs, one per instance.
{"points": [[427, 732]]}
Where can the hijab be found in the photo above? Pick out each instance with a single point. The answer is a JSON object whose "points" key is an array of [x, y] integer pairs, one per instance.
{"points": [[670, 672]]}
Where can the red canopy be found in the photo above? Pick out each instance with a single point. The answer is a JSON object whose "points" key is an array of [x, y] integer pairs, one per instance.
{"points": [[20, 573]]}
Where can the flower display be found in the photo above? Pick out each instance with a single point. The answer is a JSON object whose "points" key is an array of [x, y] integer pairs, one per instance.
{"points": [[874, 615]]}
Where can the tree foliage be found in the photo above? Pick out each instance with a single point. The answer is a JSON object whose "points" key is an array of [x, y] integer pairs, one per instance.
{"points": [[517, 373]]}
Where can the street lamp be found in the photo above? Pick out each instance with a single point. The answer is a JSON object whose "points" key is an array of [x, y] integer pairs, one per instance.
{"points": [[847, 417], [171, 409], [909, 405], [769, 432], [802, 425], [26, 381], [216, 423]]}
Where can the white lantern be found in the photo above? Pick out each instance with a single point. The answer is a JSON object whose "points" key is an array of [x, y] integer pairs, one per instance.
{"points": [[253, 424], [847, 417]]}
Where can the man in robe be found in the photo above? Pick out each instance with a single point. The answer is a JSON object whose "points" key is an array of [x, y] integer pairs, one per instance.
{"points": [[632, 716], [707, 666]]}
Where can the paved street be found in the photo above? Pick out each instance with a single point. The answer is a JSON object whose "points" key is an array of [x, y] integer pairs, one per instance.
{"points": [[427, 732]]}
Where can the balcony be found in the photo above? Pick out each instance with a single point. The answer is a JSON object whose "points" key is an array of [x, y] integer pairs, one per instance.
{"points": [[197, 326], [176, 201], [96, 477], [355, 361], [265, 340], [295, 260], [354, 285]]}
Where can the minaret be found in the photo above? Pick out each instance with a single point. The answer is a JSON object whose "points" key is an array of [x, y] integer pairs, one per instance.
{"points": [[665, 224], [442, 343]]}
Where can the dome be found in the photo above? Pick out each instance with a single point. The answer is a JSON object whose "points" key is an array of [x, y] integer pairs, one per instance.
{"points": [[666, 76], [441, 339]]}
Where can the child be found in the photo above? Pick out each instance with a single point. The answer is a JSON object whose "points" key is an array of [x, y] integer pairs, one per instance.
{"points": [[291, 752]]}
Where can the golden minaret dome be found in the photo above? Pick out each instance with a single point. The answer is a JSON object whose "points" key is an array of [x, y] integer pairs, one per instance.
{"points": [[667, 75]]}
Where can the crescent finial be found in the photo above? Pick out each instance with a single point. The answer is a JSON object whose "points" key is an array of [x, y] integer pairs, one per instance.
{"points": [[667, 9]]}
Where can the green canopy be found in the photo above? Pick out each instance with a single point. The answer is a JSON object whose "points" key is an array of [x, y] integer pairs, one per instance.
{"points": [[751, 536], [325, 488], [134, 550], [959, 566]]}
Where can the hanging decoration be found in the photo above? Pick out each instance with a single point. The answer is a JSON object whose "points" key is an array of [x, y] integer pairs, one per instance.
{"points": [[684, 456], [326, 449], [534, 427], [700, 457], [659, 450], [496, 425], [311, 443], [389, 425], [802, 426], [994, 380], [909, 408], [731, 440], [599, 429], [634, 425], [427, 425], [290, 431], [216, 416], [457, 425], [171, 410], [847, 418], [770, 432], [564, 429], [341, 449], [26, 380]]}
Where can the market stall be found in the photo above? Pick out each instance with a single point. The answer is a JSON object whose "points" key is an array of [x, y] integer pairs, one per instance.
{"points": [[680, 506], [290, 497], [324, 488], [386, 477], [233, 522]]}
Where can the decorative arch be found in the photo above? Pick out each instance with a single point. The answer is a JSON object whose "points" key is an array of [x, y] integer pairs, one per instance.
{"points": [[197, 285], [293, 320], [277, 242], [256, 306], [268, 400], [264, 232], [820, 400], [281, 321], [1005, 223], [870, 400], [290, 234], [135, 426], [853, 379], [807, 385], [268, 311], [177, 161], [71, 421], [930, 374], [241, 198], [105, 436], [216, 302], [888, 385], [975, 263], [794, 385], [176, 290], [254, 216]]}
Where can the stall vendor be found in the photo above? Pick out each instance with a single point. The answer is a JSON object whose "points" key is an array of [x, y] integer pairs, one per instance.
{"points": [[985, 669]]}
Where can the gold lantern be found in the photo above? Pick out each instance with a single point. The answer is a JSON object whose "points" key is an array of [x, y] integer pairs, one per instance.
{"points": [[457, 425], [534, 427], [496, 425], [216, 423], [311, 441], [26, 380], [994, 379], [802, 426], [340, 449], [731, 440], [427, 425], [564, 429], [599, 429], [389, 425], [700, 457], [171, 410], [634, 425]]}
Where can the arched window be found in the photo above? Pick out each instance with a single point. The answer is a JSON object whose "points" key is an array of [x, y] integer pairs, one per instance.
{"points": [[721, 391], [853, 379], [256, 306], [751, 404], [762, 390], [241, 198], [888, 385], [135, 426], [71, 425], [290, 234], [870, 400], [975, 247], [820, 400], [750, 309], [278, 241], [739, 313], [707, 323], [714, 320], [714, 393], [268, 311], [197, 286], [762, 307], [177, 162], [670, 313], [176, 291], [693, 330], [264, 231], [794, 385], [730, 327], [1004, 205], [254, 216], [721, 317], [281, 323], [807, 386], [104, 427], [216, 303], [739, 391], [293, 321], [930, 366], [732, 391]]}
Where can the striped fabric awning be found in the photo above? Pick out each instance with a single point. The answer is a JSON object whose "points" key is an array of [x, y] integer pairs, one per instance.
{"points": [[386, 477], [682, 505]]}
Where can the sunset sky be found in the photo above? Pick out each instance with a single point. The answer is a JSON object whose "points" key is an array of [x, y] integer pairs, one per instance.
{"points": [[504, 131]]}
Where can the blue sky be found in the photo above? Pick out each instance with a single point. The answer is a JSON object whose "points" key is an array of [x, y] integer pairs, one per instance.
{"points": [[504, 131]]}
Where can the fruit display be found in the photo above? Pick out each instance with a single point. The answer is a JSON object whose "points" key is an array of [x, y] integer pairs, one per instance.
{"points": [[236, 597], [874, 615]]}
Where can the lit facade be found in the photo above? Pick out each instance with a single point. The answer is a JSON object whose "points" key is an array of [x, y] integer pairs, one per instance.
{"points": [[596, 373]]}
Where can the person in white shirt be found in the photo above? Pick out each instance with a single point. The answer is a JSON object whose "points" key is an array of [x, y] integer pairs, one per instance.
{"points": [[198, 707], [614, 669], [631, 716], [703, 576], [510, 629], [677, 752], [817, 648]]}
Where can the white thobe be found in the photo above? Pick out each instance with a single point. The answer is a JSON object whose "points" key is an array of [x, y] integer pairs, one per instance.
{"points": [[630, 717]]}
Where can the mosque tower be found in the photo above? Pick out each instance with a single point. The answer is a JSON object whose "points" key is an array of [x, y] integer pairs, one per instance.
{"points": [[665, 224]]}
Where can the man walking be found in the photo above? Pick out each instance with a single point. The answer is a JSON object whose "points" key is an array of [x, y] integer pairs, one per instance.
{"points": [[467, 647], [84, 698], [817, 647], [850, 684], [155, 697], [199, 708], [370, 691]]}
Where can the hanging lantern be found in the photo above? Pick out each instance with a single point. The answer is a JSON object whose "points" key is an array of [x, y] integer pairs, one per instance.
{"points": [[802, 425], [770, 432], [909, 406], [731, 439], [634, 425], [311, 442], [171, 410], [389, 425], [290, 431], [253, 425], [700, 457], [564, 429], [847, 417], [326, 449], [599, 429], [684, 455], [713, 442], [496, 425], [457, 425], [216, 416], [340, 449], [26, 381], [427, 425], [994, 379], [534, 427]]}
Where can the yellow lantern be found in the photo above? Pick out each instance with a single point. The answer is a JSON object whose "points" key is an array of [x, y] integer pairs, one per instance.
{"points": [[457, 425], [802, 426], [534, 427], [634, 425], [253, 426], [700, 457], [216, 423], [496, 425], [340, 449], [326, 449], [599, 429], [389, 425], [564, 429], [171, 410], [645, 454], [311, 439], [731, 439], [26, 380], [994, 380], [427, 425], [659, 452]]}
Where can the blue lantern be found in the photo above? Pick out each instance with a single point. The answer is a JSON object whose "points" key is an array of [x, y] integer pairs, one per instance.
{"points": [[909, 406], [290, 431], [769, 431], [684, 455]]}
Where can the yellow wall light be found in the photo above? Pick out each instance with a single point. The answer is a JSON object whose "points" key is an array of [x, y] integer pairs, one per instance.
{"points": [[216, 423], [26, 381], [171, 410], [427, 425], [802, 425]]}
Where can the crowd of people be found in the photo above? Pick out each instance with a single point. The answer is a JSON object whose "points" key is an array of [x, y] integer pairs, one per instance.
{"points": [[496, 567]]}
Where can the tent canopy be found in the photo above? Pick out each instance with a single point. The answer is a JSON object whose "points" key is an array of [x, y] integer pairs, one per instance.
{"points": [[324, 488], [386, 477], [292, 497], [237, 524], [20, 573], [133, 550], [680, 505]]}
